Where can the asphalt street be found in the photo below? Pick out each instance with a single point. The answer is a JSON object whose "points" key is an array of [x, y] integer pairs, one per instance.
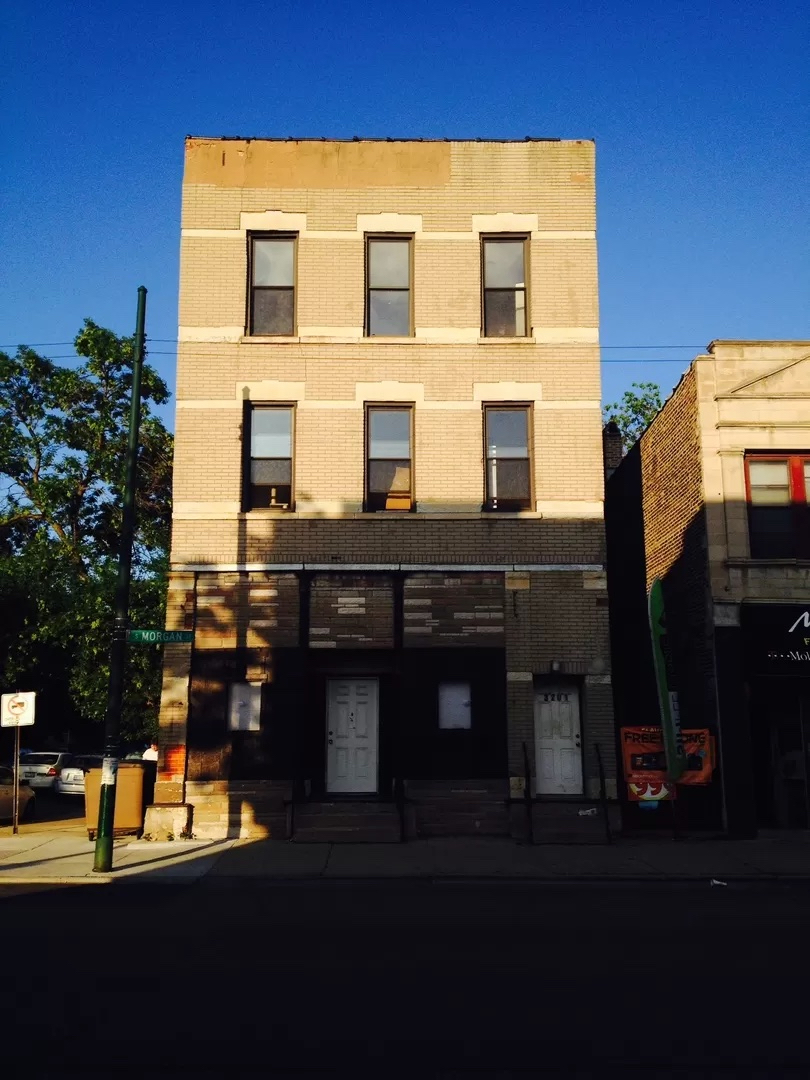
{"points": [[413, 978]]}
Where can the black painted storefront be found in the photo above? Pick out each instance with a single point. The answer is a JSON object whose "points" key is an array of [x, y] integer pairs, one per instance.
{"points": [[291, 744], [776, 654]]}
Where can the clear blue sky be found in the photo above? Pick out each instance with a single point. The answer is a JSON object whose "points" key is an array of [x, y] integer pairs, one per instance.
{"points": [[700, 113]]}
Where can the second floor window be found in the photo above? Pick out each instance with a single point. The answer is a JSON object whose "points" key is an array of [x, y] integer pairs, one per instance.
{"points": [[272, 286], [779, 505], [389, 472], [269, 480], [508, 462], [388, 286], [503, 275]]}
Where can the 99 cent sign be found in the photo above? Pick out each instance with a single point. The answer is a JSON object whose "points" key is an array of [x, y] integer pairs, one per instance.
{"points": [[17, 710]]}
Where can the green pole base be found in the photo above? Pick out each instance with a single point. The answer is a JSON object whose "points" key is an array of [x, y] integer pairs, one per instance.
{"points": [[102, 862]]}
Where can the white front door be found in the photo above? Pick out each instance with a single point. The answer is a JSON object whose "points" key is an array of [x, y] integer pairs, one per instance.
{"points": [[351, 735], [557, 741]]}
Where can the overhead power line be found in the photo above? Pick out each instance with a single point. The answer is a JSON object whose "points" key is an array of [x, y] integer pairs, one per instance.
{"points": [[53, 345]]}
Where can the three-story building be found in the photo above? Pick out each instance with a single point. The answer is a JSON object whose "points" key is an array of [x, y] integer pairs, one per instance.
{"points": [[388, 515]]}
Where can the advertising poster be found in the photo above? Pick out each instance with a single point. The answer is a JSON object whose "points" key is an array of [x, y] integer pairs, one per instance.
{"points": [[645, 761]]}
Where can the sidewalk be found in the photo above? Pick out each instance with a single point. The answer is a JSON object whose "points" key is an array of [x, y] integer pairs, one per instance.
{"points": [[66, 857]]}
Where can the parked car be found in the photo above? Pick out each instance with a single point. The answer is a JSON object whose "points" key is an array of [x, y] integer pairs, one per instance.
{"points": [[70, 781], [28, 799], [42, 768]]}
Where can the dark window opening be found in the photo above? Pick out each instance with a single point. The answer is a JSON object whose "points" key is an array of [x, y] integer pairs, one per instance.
{"points": [[271, 458], [272, 286], [503, 274], [389, 471], [388, 287], [508, 461], [778, 510]]}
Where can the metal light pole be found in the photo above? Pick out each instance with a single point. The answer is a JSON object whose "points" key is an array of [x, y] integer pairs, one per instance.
{"points": [[112, 723]]}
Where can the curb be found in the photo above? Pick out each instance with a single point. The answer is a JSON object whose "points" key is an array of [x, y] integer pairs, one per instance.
{"points": [[22, 879], [228, 880]]}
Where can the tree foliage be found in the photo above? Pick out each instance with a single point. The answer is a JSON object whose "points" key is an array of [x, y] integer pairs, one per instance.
{"points": [[635, 412], [63, 437]]}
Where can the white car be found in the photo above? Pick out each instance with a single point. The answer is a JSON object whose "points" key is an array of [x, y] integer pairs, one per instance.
{"points": [[71, 779], [42, 768], [27, 797]]}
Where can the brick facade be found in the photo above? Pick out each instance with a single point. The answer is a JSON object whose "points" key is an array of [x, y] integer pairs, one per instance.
{"points": [[270, 592], [678, 510]]}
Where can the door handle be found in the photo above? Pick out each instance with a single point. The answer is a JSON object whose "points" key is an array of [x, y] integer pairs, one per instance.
{"points": [[331, 742]]}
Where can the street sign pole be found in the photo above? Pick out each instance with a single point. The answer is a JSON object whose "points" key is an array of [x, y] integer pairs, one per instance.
{"points": [[16, 827], [102, 861], [17, 710]]}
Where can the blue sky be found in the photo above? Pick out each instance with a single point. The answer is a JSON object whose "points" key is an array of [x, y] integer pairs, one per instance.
{"points": [[700, 112]]}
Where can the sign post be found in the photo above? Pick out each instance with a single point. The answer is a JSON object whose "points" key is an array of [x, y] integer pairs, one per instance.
{"points": [[17, 710], [103, 858]]}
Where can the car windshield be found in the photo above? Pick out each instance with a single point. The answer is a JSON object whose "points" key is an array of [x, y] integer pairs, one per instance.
{"points": [[39, 759]]}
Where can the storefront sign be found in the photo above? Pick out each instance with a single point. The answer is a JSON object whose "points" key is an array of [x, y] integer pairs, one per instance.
{"points": [[776, 638], [645, 764]]}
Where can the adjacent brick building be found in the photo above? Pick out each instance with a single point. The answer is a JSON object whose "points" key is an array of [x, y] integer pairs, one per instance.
{"points": [[388, 516], [714, 500]]}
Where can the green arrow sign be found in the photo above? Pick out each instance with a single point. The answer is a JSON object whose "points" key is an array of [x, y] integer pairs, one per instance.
{"points": [[159, 637]]}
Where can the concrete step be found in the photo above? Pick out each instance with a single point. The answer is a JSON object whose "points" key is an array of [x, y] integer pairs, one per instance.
{"points": [[359, 808], [346, 822], [327, 834]]}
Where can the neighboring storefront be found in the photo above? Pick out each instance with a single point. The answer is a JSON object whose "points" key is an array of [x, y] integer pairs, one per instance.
{"points": [[776, 647]]}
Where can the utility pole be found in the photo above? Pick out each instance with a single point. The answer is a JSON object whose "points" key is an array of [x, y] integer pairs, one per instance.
{"points": [[112, 722]]}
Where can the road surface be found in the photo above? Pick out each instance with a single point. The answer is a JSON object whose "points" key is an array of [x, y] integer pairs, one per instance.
{"points": [[223, 978]]}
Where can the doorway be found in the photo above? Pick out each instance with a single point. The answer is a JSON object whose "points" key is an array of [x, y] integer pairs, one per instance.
{"points": [[352, 727], [557, 740]]}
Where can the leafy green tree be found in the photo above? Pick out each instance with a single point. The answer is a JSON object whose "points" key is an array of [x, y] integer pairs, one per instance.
{"points": [[63, 436], [635, 411]]}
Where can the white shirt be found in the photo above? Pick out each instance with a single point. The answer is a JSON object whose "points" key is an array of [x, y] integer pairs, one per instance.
{"points": [[149, 755]]}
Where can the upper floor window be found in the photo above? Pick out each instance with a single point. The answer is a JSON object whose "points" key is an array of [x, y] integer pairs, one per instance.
{"points": [[272, 285], [508, 461], [778, 505], [503, 276], [389, 472], [388, 286], [269, 480]]}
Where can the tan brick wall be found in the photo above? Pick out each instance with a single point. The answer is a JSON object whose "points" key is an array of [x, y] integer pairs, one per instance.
{"points": [[753, 396], [444, 610], [380, 538], [213, 370], [451, 193], [551, 179], [250, 610], [351, 611]]}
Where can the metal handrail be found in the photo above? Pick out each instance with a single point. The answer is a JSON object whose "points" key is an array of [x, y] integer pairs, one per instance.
{"points": [[401, 799], [527, 795]]}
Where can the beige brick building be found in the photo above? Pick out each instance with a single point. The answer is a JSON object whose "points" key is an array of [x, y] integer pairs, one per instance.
{"points": [[388, 500], [714, 500]]}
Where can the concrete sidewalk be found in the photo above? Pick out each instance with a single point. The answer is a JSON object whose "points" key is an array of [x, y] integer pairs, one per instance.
{"points": [[67, 858]]}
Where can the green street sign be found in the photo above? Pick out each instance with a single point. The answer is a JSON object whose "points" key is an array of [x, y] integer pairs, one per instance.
{"points": [[159, 637], [667, 694]]}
